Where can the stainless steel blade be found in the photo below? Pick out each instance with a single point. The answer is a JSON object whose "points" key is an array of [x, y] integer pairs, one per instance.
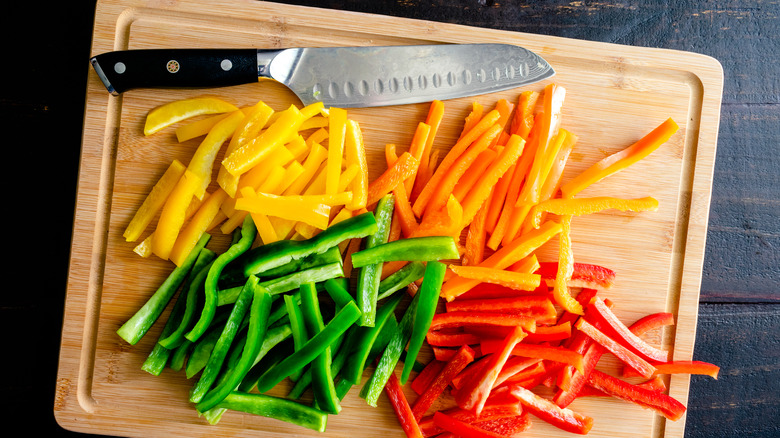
{"points": [[393, 75]]}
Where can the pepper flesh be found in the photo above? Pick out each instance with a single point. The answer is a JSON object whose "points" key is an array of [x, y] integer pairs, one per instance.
{"points": [[413, 249], [369, 276], [176, 111], [277, 408]]}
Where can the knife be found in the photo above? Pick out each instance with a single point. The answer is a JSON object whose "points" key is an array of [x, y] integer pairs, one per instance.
{"points": [[337, 76]]}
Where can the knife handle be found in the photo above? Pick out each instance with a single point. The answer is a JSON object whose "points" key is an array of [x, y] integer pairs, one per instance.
{"points": [[175, 68]]}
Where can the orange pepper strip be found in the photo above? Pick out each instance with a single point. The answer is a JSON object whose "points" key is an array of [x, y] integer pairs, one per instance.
{"points": [[524, 116], [402, 169], [476, 237], [417, 148], [434, 118], [355, 153], [505, 108], [680, 367], [403, 209], [154, 201], [565, 270], [583, 206], [296, 208], [480, 193], [337, 130], [514, 280], [192, 232], [477, 111], [420, 204], [622, 159], [503, 258], [497, 199], [475, 172], [447, 183], [173, 214]]}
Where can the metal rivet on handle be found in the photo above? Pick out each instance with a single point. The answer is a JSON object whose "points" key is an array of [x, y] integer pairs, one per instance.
{"points": [[120, 67], [226, 64]]}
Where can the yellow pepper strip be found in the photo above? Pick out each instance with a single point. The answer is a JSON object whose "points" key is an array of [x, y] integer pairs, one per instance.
{"points": [[265, 230], [312, 164], [176, 111], [355, 153], [279, 157], [154, 201], [269, 185], [202, 161], [197, 128], [565, 270], [287, 207], [504, 257], [347, 176], [583, 206], [193, 231], [249, 128], [144, 249], [218, 219], [514, 280], [622, 159], [298, 148], [337, 129], [173, 214], [254, 151], [314, 122], [317, 136]]}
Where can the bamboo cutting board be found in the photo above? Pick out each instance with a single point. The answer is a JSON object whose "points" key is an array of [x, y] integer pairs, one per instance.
{"points": [[615, 94]]}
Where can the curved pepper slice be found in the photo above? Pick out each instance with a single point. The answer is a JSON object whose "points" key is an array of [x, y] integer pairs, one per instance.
{"points": [[623, 353], [646, 398], [562, 418], [583, 206], [597, 309], [202, 161], [172, 112]]}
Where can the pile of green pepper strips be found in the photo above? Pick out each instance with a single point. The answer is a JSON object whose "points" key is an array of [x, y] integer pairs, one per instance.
{"points": [[228, 325]]}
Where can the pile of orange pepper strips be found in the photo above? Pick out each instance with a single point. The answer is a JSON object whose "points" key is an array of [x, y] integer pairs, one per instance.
{"points": [[500, 334]]}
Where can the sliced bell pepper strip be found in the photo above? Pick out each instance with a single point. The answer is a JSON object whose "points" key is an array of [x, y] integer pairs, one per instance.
{"points": [[202, 161], [498, 196], [475, 392], [476, 237], [529, 305], [372, 389], [279, 253], [154, 201], [562, 418], [136, 327], [299, 333], [624, 354], [242, 244], [413, 249], [403, 208], [547, 352], [514, 280], [486, 291], [463, 357], [401, 278], [189, 235], [524, 114], [681, 367], [369, 276], [253, 122], [565, 270], [646, 398], [499, 406], [557, 332], [338, 291], [322, 379], [202, 348], [276, 408], [463, 319], [417, 149], [426, 308], [276, 346], [354, 152], [513, 366], [312, 211], [176, 111], [460, 428], [503, 258], [294, 280], [199, 128], [401, 407], [427, 375], [621, 159], [649, 322], [365, 339], [402, 169], [584, 275], [583, 206], [173, 214], [337, 129], [217, 357], [316, 344], [258, 321], [433, 120], [317, 155]]}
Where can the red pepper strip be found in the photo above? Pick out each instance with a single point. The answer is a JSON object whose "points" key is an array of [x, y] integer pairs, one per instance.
{"points": [[513, 366], [534, 373], [453, 367], [470, 372], [460, 428], [628, 357], [584, 297], [646, 398], [584, 275], [489, 290], [654, 384], [426, 376], [555, 354], [463, 319], [556, 332], [562, 418], [536, 306], [622, 334], [444, 354], [681, 367], [498, 406], [401, 408], [577, 382], [446, 338], [474, 393], [507, 427], [649, 322]]}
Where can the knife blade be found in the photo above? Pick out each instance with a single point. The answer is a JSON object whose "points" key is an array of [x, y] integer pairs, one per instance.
{"points": [[337, 76]]}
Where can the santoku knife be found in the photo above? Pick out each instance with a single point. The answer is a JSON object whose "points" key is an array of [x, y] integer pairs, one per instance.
{"points": [[337, 76]]}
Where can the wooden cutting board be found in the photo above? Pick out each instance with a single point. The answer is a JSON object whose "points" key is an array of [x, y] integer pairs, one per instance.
{"points": [[615, 94]]}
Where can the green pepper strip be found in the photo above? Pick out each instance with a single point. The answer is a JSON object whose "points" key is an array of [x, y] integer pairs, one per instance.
{"points": [[277, 408], [337, 289], [322, 379], [191, 294], [343, 385], [401, 278], [248, 232], [221, 348], [341, 348], [366, 338], [336, 327], [136, 327], [370, 275], [201, 349], [161, 352], [389, 359], [299, 334], [274, 336], [266, 257], [180, 353], [296, 279], [258, 322], [412, 249], [426, 308]]}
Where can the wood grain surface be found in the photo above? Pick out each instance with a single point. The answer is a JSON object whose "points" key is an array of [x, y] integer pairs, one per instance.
{"points": [[740, 264]]}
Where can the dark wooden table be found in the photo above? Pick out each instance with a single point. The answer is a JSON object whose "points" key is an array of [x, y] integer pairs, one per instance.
{"points": [[46, 47]]}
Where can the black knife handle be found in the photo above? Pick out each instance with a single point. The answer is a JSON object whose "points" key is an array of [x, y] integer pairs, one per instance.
{"points": [[175, 68]]}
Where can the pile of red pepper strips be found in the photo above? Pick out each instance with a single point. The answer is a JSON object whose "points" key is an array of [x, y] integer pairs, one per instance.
{"points": [[499, 333]]}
